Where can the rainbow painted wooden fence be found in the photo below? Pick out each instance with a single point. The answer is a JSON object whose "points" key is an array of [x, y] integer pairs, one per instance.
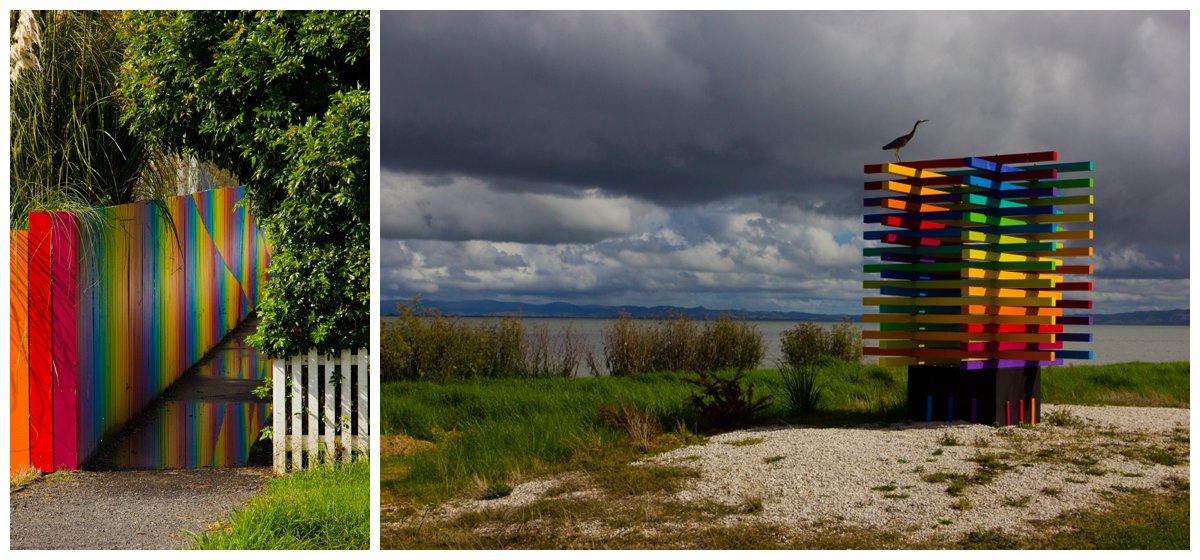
{"points": [[115, 307], [979, 270]]}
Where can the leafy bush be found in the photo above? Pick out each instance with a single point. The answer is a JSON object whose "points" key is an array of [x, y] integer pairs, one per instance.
{"points": [[627, 347], [729, 343], [677, 343], [801, 387], [423, 344], [725, 404], [807, 343]]}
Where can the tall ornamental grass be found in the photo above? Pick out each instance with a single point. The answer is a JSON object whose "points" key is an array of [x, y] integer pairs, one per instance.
{"points": [[69, 150]]}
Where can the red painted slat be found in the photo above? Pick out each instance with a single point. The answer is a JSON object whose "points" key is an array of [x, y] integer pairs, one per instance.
{"points": [[957, 163], [41, 407]]}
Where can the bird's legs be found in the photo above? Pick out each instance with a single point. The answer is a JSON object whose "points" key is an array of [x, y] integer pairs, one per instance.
{"points": [[897, 155]]}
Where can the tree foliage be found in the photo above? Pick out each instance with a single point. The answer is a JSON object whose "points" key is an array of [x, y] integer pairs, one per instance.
{"points": [[282, 99]]}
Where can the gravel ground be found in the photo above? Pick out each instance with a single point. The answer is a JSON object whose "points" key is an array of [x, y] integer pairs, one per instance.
{"points": [[880, 477], [126, 509]]}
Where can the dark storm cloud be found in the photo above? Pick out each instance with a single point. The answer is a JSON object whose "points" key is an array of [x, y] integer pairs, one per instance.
{"points": [[774, 113]]}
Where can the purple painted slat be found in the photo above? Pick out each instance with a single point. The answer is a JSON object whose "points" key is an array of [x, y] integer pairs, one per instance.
{"points": [[1075, 320], [996, 364], [62, 287]]}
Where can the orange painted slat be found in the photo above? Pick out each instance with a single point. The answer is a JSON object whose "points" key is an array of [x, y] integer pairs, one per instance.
{"points": [[18, 349]]}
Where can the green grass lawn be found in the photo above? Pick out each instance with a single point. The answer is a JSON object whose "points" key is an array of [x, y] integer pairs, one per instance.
{"points": [[490, 432], [313, 509]]}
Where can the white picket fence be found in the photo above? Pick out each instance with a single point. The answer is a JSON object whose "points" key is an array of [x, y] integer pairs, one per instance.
{"points": [[321, 408]]}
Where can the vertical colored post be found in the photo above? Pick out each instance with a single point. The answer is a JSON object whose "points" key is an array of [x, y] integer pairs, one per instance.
{"points": [[1032, 411], [41, 408], [929, 408], [1021, 405], [18, 359], [62, 275], [1007, 413], [950, 412]]}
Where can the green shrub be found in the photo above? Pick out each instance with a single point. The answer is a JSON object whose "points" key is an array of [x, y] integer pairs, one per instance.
{"points": [[725, 404], [676, 341], [424, 344], [627, 347], [729, 343], [807, 343]]}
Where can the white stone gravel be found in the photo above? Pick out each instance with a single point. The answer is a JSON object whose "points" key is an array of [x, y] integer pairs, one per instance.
{"points": [[842, 474], [872, 477]]}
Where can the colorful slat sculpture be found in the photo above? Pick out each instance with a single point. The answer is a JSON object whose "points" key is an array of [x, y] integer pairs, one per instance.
{"points": [[978, 267], [109, 311]]}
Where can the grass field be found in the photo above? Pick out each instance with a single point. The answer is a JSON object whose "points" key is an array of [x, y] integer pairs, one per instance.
{"points": [[495, 433], [321, 508]]}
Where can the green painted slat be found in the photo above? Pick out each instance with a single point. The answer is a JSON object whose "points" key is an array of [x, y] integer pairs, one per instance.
{"points": [[1085, 183], [919, 327], [991, 202], [920, 309]]}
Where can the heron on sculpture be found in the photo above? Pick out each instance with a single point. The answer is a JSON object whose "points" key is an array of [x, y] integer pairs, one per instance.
{"points": [[903, 140]]}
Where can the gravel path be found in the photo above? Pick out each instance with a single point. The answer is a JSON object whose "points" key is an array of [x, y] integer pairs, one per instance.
{"points": [[126, 509], [899, 478]]}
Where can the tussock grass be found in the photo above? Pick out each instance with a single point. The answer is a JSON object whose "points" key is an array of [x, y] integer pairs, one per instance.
{"points": [[320, 508], [23, 478]]}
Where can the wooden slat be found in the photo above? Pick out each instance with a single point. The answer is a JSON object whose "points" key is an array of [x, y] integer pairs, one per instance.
{"points": [[345, 409], [296, 419], [364, 394], [954, 319], [314, 407], [279, 421], [330, 413]]}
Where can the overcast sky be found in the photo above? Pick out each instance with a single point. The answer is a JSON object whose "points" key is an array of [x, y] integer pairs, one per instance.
{"points": [[716, 159]]}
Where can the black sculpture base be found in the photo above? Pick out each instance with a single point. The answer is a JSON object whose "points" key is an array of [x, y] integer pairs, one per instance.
{"points": [[989, 396]]}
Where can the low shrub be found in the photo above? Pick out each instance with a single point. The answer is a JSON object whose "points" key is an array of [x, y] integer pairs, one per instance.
{"points": [[807, 343], [425, 345], [725, 404]]}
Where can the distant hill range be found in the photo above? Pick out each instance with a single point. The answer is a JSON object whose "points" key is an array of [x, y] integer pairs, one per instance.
{"points": [[486, 308], [1167, 317]]}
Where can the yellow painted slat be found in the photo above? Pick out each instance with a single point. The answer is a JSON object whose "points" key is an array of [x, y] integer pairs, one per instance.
{"points": [[910, 190], [1008, 292], [905, 171], [975, 254], [1007, 275]]}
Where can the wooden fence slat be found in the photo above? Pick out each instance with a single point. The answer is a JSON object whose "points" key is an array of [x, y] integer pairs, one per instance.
{"points": [[346, 408], [330, 414], [279, 412], [295, 419], [364, 397], [314, 408]]}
